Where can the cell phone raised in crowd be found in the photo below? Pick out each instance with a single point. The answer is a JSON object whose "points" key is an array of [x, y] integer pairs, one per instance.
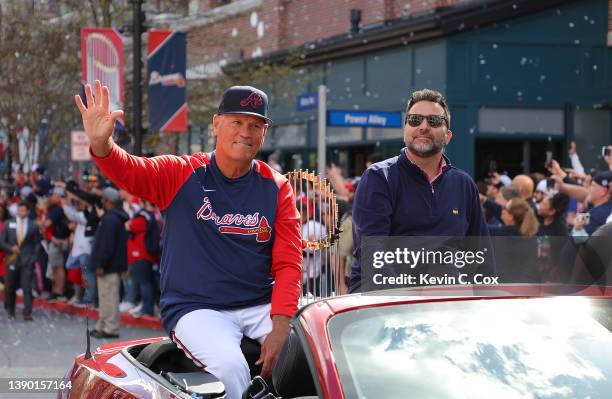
{"points": [[585, 217], [548, 164], [492, 167], [606, 151], [550, 184]]}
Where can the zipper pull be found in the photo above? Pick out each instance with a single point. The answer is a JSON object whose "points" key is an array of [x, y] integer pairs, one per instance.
{"points": [[432, 189]]}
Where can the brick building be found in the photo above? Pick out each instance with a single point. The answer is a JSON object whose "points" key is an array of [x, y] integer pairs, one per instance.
{"points": [[531, 75]]}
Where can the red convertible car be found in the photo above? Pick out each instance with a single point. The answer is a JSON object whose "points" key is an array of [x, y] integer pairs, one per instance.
{"points": [[392, 345]]}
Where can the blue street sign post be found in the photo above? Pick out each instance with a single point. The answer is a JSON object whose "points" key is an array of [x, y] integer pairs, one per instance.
{"points": [[364, 118]]}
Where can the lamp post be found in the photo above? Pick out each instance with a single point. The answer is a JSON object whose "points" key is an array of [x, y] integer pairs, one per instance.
{"points": [[9, 155], [137, 26]]}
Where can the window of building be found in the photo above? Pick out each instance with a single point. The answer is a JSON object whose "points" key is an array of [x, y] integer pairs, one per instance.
{"points": [[344, 134], [521, 120], [592, 130], [287, 136], [384, 133]]}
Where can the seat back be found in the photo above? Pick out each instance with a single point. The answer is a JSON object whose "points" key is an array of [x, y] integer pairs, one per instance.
{"points": [[291, 376], [166, 356]]}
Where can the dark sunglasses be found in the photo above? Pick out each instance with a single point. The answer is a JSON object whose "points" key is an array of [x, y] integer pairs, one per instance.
{"points": [[434, 121]]}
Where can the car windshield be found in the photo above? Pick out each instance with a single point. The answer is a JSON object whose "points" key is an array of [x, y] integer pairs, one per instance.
{"points": [[498, 348]]}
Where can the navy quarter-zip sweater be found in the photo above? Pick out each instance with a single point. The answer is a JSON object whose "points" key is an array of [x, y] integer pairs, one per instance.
{"points": [[395, 198]]}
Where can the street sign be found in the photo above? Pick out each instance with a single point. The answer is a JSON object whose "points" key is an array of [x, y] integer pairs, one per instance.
{"points": [[79, 146], [363, 118], [306, 101]]}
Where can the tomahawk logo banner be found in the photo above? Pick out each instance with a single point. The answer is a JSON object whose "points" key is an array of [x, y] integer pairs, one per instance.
{"points": [[102, 59], [166, 66]]}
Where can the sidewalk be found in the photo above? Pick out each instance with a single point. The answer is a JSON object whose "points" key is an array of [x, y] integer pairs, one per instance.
{"points": [[126, 318]]}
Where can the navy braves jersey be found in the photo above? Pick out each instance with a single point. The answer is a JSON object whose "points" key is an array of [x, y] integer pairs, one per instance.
{"points": [[227, 243]]}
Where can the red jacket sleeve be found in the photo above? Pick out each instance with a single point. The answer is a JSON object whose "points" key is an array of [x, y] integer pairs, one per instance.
{"points": [[286, 255], [156, 179]]}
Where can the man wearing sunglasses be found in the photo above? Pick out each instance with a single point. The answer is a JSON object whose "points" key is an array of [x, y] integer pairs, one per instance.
{"points": [[418, 192]]}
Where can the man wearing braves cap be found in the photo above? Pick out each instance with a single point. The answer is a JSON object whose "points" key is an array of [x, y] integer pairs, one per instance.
{"points": [[245, 100], [231, 260], [599, 198]]}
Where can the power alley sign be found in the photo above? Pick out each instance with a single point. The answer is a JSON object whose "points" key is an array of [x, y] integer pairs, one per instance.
{"points": [[366, 119]]}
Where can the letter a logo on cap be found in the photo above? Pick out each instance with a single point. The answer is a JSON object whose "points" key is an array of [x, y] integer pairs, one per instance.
{"points": [[253, 99], [245, 100]]}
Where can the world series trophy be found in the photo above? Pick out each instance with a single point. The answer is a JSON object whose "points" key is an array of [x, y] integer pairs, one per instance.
{"points": [[316, 202]]}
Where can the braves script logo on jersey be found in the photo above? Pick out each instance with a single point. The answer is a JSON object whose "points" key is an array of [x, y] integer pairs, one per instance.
{"points": [[253, 99], [237, 223]]}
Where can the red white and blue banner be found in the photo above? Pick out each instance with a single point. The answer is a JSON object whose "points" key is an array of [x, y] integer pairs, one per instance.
{"points": [[102, 59], [167, 90]]}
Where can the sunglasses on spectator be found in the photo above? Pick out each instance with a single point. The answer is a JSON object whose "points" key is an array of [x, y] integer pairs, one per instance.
{"points": [[434, 121]]}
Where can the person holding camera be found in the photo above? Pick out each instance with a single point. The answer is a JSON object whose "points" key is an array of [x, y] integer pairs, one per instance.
{"points": [[92, 202], [601, 206], [78, 259]]}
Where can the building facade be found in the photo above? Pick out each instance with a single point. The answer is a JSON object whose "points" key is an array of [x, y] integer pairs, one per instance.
{"points": [[522, 78]]}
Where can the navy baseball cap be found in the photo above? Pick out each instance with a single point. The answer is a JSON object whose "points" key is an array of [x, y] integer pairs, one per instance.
{"points": [[245, 100], [604, 179]]}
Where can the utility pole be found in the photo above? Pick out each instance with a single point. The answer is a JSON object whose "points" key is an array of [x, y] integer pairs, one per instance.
{"points": [[321, 144], [9, 155], [138, 28]]}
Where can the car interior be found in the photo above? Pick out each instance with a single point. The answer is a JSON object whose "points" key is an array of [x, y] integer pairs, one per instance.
{"points": [[291, 377]]}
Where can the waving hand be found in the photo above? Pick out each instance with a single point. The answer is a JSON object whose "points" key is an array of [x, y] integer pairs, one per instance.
{"points": [[98, 121]]}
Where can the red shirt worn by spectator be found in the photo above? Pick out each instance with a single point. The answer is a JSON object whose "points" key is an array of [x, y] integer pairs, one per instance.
{"points": [[137, 249]]}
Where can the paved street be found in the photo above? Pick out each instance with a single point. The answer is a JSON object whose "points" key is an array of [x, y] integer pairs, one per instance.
{"points": [[47, 346]]}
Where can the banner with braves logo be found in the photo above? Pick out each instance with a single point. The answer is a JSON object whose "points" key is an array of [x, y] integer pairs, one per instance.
{"points": [[167, 91], [102, 59]]}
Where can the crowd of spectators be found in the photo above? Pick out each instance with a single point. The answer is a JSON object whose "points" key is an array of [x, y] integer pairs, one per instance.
{"points": [[96, 244], [113, 265], [556, 213], [560, 210]]}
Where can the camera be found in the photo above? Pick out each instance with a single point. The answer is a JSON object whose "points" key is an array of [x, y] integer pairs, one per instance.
{"points": [[585, 217], [606, 151], [550, 184]]}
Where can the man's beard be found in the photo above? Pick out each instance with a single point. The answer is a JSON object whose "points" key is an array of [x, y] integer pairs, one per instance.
{"points": [[428, 149]]}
